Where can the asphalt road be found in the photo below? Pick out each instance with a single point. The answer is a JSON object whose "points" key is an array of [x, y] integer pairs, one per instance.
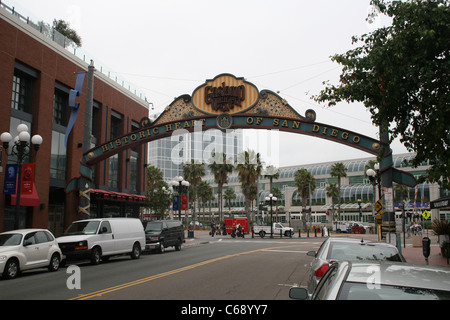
{"points": [[206, 269]]}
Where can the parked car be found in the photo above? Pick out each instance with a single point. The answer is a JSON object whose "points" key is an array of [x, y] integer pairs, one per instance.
{"points": [[28, 249], [99, 239], [379, 280], [161, 234], [339, 248]]}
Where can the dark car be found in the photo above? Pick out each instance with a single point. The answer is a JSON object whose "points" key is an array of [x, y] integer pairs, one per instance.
{"points": [[160, 234], [341, 248]]}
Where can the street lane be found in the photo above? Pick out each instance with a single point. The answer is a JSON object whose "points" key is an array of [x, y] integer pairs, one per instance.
{"points": [[217, 269]]}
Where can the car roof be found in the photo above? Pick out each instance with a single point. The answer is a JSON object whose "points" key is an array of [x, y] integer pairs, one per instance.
{"points": [[400, 274], [359, 240], [22, 231]]}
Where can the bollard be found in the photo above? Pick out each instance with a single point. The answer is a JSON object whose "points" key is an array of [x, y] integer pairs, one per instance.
{"points": [[315, 233], [299, 233], [281, 233], [426, 248]]}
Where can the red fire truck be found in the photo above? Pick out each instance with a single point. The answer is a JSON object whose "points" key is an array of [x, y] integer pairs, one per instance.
{"points": [[231, 223]]}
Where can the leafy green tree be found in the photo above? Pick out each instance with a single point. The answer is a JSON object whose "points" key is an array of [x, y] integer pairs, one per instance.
{"points": [[401, 74], [158, 195], [63, 27]]}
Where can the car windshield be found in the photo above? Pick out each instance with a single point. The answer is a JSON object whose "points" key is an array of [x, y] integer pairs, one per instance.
{"points": [[153, 227], [361, 291], [10, 239], [358, 251], [82, 227]]}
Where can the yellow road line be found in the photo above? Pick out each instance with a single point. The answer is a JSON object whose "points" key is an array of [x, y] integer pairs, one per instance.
{"points": [[164, 274]]}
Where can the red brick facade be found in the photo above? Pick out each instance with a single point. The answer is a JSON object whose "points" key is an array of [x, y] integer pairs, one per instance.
{"points": [[20, 43]]}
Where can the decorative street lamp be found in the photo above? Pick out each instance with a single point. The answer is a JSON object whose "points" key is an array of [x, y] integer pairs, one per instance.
{"points": [[178, 183], [375, 179], [21, 149], [271, 200]]}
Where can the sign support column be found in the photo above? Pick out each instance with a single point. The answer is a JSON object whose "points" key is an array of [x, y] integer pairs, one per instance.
{"points": [[84, 208]]}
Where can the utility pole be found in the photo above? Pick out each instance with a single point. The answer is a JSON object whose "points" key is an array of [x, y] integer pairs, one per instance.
{"points": [[84, 208]]}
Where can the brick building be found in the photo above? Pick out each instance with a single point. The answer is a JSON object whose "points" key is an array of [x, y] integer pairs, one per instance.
{"points": [[36, 75]]}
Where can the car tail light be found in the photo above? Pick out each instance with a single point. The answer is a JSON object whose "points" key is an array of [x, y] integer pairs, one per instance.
{"points": [[321, 270]]}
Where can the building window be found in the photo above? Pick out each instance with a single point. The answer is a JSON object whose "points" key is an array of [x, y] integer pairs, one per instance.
{"points": [[22, 92], [60, 107], [116, 131], [22, 88], [58, 156]]}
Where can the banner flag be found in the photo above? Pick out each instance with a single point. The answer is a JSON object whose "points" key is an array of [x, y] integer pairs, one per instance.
{"points": [[74, 105]]}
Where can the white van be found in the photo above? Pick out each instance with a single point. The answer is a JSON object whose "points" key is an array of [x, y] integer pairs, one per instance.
{"points": [[98, 239]]}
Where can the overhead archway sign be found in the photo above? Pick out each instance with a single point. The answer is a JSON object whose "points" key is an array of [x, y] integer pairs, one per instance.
{"points": [[227, 102]]}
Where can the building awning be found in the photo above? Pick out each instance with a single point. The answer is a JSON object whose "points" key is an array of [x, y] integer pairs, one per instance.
{"points": [[111, 195], [27, 200]]}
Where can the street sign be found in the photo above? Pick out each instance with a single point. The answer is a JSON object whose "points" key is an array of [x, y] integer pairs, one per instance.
{"points": [[379, 206], [389, 199], [426, 215]]}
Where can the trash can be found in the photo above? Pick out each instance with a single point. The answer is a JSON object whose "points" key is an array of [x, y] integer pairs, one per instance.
{"points": [[190, 233]]}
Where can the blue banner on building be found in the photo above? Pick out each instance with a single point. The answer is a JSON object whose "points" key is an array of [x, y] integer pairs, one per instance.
{"points": [[176, 203], [9, 186]]}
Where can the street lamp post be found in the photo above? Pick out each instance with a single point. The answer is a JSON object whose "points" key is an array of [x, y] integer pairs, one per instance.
{"points": [[375, 180], [21, 149], [178, 183], [271, 200]]}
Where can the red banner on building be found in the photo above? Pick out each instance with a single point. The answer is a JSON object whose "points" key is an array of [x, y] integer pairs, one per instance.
{"points": [[27, 178], [184, 202]]}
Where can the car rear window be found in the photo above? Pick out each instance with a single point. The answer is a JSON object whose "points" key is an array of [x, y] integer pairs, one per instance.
{"points": [[358, 251], [361, 291]]}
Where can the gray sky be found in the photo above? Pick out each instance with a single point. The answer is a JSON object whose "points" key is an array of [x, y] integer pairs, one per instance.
{"points": [[167, 48]]}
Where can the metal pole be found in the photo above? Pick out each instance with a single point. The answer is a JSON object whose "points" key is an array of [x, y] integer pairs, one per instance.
{"points": [[84, 208]]}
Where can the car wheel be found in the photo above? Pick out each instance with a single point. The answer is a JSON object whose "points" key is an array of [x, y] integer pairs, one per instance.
{"points": [[262, 234], [136, 252], [55, 262], [162, 249], [12, 269], [96, 255], [178, 245]]}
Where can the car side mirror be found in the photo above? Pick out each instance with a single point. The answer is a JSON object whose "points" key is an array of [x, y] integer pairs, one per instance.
{"points": [[298, 293], [27, 243], [311, 254], [103, 230]]}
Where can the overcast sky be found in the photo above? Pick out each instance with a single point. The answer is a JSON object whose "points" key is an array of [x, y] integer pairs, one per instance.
{"points": [[167, 48]]}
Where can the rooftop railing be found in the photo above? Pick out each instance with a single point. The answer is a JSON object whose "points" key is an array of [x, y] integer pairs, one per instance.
{"points": [[68, 44]]}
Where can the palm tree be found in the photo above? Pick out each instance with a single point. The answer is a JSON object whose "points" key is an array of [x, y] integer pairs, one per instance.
{"points": [[249, 167], [205, 192], [229, 195], [193, 172], [272, 173], [220, 167], [306, 184], [339, 170], [333, 193]]}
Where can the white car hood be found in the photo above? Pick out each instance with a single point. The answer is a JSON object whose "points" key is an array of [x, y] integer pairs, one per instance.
{"points": [[9, 249], [68, 239]]}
